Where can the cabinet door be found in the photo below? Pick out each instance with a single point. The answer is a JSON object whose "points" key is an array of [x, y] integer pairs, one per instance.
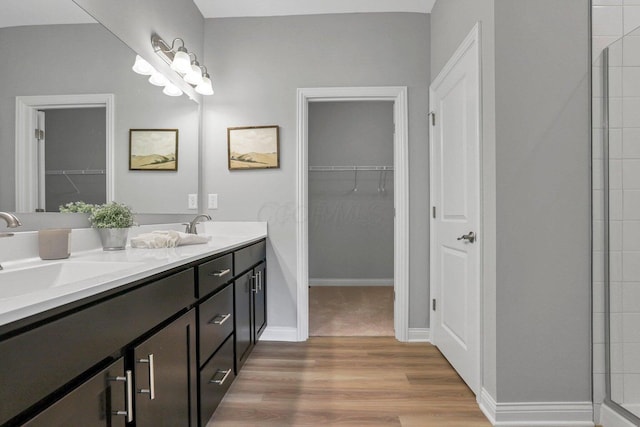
{"points": [[99, 402], [259, 301], [243, 317], [166, 376]]}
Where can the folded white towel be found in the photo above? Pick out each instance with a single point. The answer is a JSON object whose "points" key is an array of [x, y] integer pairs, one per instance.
{"points": [[166, 239]]}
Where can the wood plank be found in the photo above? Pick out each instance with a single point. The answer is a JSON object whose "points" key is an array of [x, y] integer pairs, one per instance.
{"points": [[348, 381]]}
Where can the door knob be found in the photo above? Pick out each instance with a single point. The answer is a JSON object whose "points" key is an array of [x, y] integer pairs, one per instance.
{"points": [[470, 237]]}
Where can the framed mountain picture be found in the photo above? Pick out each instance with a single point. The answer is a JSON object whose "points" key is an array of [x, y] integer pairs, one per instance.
{"points": [[153, 149], [253, 147]]}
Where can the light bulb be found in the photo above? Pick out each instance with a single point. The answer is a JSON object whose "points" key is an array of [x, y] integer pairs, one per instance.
{"points": [[142, 67], [194, 76], [181, 61], [205, 88], [171, 90], [158, 79]]}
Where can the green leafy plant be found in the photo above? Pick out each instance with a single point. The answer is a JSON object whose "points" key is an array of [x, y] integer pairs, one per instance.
{"points": [[77, 207], [111, 215]]}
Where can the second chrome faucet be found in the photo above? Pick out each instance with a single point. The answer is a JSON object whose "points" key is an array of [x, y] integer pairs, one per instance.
{"points": [[191, 226]]}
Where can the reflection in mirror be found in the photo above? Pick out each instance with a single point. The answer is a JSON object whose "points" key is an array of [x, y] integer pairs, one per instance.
{"points": [[60, 58]]}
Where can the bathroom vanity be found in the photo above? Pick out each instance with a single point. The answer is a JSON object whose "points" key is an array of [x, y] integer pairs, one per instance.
{"points": [[155, 345]]}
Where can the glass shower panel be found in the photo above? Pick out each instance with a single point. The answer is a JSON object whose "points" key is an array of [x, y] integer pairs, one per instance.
{"points": [[621, 222]]}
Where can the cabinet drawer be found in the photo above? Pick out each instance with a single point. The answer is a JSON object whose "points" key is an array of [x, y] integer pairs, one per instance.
{"points": [[213, 274], [215, 379], [215, 321], [250, 256]]}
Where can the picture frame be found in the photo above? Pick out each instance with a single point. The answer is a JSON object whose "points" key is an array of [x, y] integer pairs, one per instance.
{"points": [[253, 147], [153, 149]]}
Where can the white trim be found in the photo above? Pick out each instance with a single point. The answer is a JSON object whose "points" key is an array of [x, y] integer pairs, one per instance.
{"points": [[419, 335], [279, 333], [26, 155], [351, 282], [534, 414], [473, 38], [401, 190], [610, 418]]}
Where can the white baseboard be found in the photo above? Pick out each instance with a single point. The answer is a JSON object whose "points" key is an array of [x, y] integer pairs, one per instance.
{"points": [[350, 282], [279, 333], [534, 414], [610, 418], [419, 335]]}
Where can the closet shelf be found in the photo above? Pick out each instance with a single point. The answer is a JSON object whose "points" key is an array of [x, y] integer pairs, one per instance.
{"points": [[76, 172], [349, 168]]}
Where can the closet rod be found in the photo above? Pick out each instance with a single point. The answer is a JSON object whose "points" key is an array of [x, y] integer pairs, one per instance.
{"points": [[76, 172], [349, 168]]}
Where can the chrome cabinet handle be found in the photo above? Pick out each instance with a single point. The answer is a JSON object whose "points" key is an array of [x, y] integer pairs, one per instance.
{"points": [[151, 391], [471, 237], [128, 380], [254, 281], [223, 379], [219, 319], [259, 280], [220, 273]]}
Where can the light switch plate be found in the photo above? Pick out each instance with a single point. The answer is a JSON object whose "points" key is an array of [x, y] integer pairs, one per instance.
{"points": [[213, 201], [193, 201]]}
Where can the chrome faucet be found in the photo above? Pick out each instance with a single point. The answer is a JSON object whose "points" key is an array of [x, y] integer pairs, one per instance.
{"points": [[12, 222], [191, 226]]}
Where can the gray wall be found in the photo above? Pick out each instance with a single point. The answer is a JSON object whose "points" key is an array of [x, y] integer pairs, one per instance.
{"points": [[351, 232], [257, 65], [74, 140], [543, 185], [74, 66], [451, 21], [536, 140]]}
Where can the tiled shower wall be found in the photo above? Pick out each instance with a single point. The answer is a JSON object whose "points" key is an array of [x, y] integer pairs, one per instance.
{"points": [[611, 19]]}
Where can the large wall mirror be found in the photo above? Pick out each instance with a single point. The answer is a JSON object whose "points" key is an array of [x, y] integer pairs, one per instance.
{"points": [[58, 52]]}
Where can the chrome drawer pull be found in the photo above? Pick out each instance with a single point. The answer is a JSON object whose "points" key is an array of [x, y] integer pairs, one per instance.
{"points": [[223, 379], [128, 380], [219, 319], [151, 391], [220, 273]]}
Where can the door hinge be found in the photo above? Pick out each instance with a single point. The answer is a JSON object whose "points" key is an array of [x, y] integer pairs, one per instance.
{"points": [[433, 211], [433, 304], [39, 134], [432, 114]]}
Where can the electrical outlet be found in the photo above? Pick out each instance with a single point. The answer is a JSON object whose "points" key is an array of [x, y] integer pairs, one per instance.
{"points": [[213, 201], [193, 201]]}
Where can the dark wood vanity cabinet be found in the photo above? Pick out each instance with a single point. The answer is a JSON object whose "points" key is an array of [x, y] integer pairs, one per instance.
{"points": [[160, 352]]}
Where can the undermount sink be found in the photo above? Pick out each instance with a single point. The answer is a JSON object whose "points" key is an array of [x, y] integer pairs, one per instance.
{"points": [[26, 280]]}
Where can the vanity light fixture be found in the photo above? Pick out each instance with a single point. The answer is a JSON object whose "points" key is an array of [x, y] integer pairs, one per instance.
{"points": [[205, 87], [143, 67], [157, 79], [171, 90]]}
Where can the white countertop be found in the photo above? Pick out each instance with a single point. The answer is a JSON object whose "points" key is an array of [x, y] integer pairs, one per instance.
{"points": [[144, 263]]}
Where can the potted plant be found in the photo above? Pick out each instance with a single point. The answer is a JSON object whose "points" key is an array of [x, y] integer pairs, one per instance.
{"points": [[112, 220]]}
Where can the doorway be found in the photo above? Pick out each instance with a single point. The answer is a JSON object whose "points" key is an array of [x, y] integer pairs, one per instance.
{"points": [[398, 96], [351, 218]]}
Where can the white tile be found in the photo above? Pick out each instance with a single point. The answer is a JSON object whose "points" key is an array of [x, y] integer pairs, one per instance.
{"points": [[597, 201], [598, 236], [597, 145], [631, 18], [598, 297], [623, 1], [598, 43], [606, 21], [618, 81], [607, 2], [615, 205], [631, 298], [598, 267], [630, 112], [598, 359], [631, 328], [615, 113], [631, 204], [617, 387], [616, 358], [615, 297], [616, 53], [615, 174], [631, 143], [631, 174], [630, 53], [615, 266], [597, 176], [598, 328], [615, 143], [615, 235], [615, 328], [632, 388], [597, 90], [631, 355], [631, 236], [631, 268]]}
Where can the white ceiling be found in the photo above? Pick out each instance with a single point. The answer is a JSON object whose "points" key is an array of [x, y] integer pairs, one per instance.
{"points": [[15, 13], [229, 8]]}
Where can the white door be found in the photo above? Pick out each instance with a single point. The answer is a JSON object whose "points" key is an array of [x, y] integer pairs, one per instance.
{"points": [[455, 201]]}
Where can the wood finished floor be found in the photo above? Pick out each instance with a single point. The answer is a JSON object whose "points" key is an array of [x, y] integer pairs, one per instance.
{"points": [[347, 381]]}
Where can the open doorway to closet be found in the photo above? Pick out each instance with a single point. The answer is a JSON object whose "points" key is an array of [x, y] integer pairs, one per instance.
{"points": [[351, 218]]}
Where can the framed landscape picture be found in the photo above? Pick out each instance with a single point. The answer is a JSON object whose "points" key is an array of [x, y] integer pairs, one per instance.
{"points": [[253, 147], [153, 149]]}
